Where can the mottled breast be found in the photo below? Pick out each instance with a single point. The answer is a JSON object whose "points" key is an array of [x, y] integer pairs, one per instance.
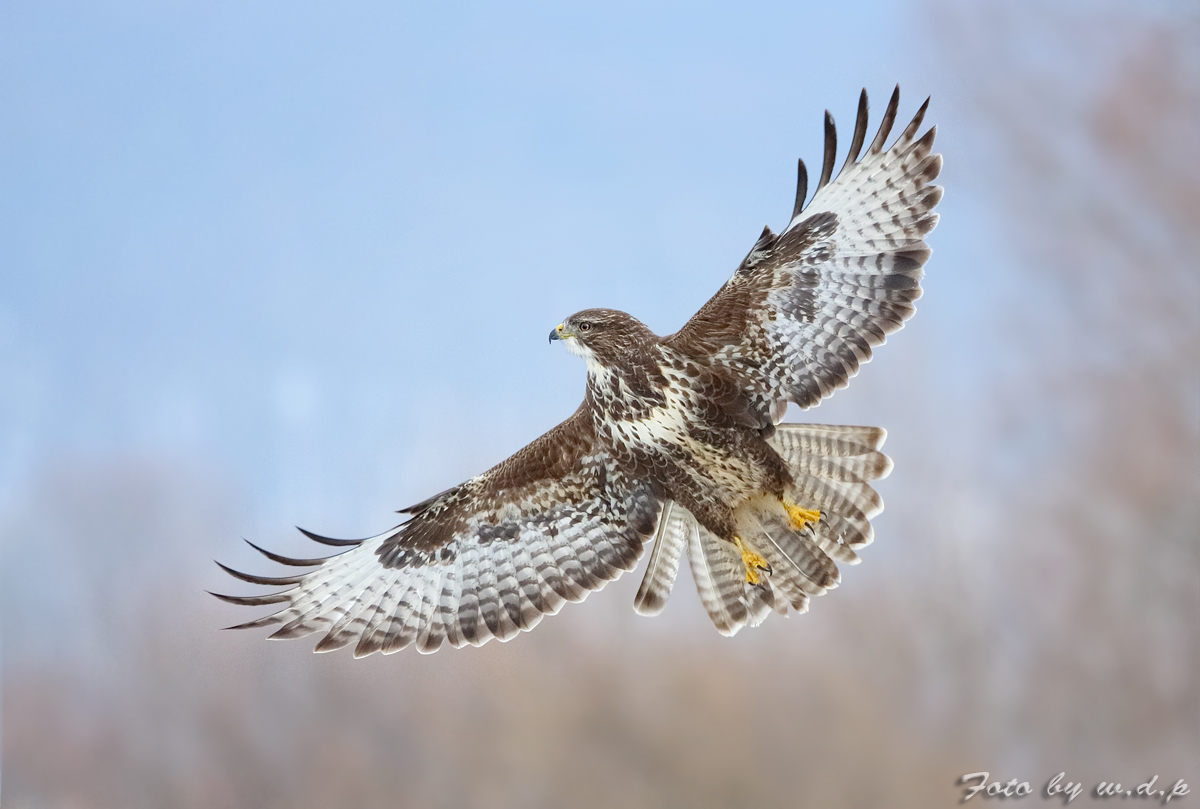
{"points": [[670, 423]]}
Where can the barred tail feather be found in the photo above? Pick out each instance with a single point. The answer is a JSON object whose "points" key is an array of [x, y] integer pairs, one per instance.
{"points": [[675, 527], [717, 571], [832, 466], [799, 553]]}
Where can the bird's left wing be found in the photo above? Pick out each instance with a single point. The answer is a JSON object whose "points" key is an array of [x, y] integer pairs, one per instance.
{"points": [[485, 559], [807, 306]]}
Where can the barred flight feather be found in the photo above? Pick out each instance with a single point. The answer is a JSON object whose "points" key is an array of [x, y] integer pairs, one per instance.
{"points": [[717, 571], [674, 527]]}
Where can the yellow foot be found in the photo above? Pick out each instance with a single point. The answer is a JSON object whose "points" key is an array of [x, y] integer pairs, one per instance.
{"points": [[753, 563], [800, 516]]}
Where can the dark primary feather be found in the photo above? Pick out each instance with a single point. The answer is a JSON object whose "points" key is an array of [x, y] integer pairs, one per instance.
{"points": [[252, 601], [276, 581], [830, 151], [339, 543], [915, 123], [885, 126], [286, 560], [860, 133], [801, 188]]}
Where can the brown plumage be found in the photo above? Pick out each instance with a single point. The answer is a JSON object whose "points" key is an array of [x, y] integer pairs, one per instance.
{"points": [[677, 440]]}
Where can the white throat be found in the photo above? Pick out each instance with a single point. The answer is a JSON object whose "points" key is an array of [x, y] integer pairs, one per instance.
{"points": [[595, 369]]}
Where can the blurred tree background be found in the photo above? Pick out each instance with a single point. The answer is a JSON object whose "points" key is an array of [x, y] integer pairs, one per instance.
{"points": [[1030, 605]]}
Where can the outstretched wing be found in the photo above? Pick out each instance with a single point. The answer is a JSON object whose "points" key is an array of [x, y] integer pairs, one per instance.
{"points": [[485, 559], [807, 306]]}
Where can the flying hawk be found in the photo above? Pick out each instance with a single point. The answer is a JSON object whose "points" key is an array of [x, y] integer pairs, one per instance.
{"points": [[677, 440]]}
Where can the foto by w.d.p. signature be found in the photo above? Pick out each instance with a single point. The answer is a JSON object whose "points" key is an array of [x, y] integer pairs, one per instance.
{"points": [[1067, 790]]}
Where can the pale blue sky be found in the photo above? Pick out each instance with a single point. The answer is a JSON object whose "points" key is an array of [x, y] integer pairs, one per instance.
{"points": [[315, 249]]}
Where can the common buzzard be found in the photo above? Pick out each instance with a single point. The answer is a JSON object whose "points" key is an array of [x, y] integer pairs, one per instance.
{"points": [[678, 439]]}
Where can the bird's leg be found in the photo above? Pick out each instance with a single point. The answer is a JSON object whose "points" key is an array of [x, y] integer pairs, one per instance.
{"points": [[752, 561], [800, 517]]}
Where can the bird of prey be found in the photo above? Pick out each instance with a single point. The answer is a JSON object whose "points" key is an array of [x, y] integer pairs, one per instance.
{"points": [[677, 441]]}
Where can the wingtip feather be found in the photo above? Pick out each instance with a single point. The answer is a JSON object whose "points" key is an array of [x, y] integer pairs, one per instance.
{"points": [[914, 124], [801, 188], [860, 132], [274, 581], [284, 560], [885, 126], [337, 543], [252, 601], [257, 623], [830, 150]]}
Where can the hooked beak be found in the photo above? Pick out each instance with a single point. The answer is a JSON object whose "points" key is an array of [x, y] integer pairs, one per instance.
{"points": [[558, 333]]}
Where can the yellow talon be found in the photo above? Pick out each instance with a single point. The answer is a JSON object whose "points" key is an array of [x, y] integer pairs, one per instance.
{"points": [[752, 561], [801, 516]]}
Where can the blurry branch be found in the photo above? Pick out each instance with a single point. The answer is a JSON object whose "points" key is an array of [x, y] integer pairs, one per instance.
{"points": [[1104, 190], [1093, 117]]}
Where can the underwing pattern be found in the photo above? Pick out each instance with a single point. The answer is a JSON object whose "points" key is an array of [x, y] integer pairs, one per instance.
{"points": [[677, 441]]}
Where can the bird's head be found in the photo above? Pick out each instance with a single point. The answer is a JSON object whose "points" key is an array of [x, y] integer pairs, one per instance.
{"points": [[602, 336]]}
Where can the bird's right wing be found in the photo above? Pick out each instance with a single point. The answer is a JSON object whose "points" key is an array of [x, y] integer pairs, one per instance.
{"points": [[485, 559]]}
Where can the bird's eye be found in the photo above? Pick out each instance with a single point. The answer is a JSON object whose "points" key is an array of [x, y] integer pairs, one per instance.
{"points": [[585, 326]]}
